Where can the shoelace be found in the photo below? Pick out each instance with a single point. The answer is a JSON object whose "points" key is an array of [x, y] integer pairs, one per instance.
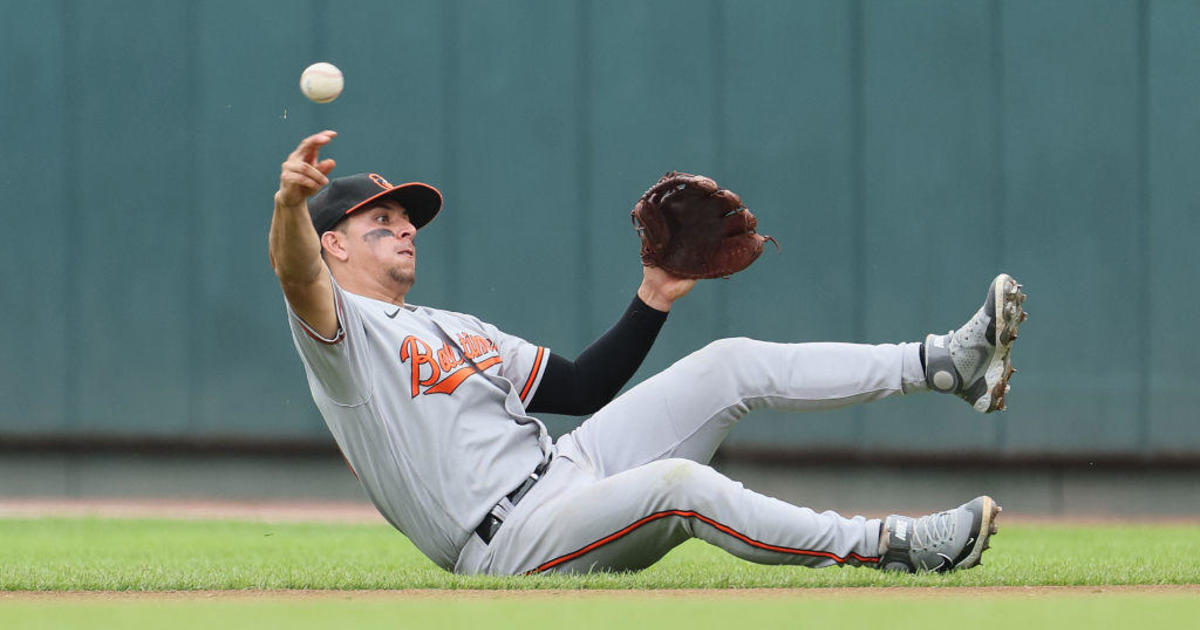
{"points": [[933, 530]]}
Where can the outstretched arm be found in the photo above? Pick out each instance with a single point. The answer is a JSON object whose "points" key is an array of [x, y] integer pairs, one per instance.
{"points": [[583, 386], [294, 246]]}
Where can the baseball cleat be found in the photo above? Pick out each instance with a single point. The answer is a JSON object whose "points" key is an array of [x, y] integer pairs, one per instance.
{"points": [[945, 541], [975, 361]]}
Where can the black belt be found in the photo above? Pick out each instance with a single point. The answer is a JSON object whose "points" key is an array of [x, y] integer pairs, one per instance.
{"points": [[491, 522]]}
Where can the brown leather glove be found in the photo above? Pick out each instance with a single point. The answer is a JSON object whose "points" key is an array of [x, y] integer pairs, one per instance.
{"points": [[693, 228]]}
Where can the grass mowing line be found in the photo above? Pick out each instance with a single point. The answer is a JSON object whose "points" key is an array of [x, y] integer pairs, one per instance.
{"points": [[887, 592], [56, 554], [849, 611]]}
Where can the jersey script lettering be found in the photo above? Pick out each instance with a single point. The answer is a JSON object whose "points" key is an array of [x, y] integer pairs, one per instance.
{"points": [[446, 368]]}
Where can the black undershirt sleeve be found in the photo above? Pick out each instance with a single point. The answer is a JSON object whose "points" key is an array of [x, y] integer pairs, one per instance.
{"points": [[583, 386]]}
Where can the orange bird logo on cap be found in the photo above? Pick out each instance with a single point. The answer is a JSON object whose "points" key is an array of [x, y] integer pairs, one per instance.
{"points": [[379, 180]]}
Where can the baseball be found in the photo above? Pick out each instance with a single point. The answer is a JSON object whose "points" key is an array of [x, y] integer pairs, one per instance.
{"points": [[321, 82]]}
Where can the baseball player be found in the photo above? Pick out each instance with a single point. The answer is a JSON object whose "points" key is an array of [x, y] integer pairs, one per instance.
{"points": [[432, 408]]}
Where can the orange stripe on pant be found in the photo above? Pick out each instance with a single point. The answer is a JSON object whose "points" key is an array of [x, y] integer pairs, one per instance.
{"points": [[704, 519]]}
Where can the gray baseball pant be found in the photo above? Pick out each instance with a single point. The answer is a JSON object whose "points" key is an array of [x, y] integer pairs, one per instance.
{"points": [[631, 482]]}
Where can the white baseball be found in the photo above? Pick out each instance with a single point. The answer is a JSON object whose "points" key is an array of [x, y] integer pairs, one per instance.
{"points": [[321, 82]]}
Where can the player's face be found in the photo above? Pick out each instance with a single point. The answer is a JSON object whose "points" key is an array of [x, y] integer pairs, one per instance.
{"points": [[381, 239]]}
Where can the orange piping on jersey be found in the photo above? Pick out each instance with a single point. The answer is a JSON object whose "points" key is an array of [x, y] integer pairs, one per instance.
{"points": [[690, 514], [453, 380], [537, 363]]}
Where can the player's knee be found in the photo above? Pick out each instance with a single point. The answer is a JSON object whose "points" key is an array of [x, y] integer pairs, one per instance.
{"points": [[680, 482], [730, 344], [725, 354], [718, 352]]}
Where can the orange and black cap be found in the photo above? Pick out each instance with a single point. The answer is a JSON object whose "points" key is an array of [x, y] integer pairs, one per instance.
{"points": [[347, 195]]}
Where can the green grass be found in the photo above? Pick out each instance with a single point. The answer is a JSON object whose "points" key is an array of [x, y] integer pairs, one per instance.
{"points": [[57, 554], [977, 613], [52, 555]]}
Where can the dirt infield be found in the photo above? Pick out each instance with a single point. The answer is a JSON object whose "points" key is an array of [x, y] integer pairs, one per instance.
{"points": [[194, 509]]}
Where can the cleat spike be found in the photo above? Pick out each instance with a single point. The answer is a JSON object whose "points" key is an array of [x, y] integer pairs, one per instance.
{"points": [[980, 349]]}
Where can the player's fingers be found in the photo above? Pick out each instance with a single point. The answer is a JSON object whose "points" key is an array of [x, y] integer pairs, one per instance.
{"points": [[294, 188], [309, 147], [302, 168], [305, 171], [301, 181], [326, 165], [301, 174], [311, 170]]}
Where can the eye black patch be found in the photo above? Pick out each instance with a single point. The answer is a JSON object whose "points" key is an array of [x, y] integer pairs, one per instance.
{"points": [[375, 235]]}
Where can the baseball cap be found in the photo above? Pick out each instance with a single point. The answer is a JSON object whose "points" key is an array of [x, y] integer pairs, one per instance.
{"points": [[346, 195]]}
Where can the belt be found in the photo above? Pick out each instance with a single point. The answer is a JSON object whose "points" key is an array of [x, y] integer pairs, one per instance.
{"points": [[491, 523]]}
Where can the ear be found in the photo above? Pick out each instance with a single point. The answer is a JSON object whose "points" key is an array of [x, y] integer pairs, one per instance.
{"points": [[331, 242]]}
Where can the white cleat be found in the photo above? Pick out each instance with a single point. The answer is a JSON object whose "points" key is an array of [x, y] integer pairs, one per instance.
{"points": [[975, 361]]}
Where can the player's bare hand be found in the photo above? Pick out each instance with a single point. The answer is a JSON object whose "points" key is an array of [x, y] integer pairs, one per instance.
{"points": [[660, 288], [302, 174]]}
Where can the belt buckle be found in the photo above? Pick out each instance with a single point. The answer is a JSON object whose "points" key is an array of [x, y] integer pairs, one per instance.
{"points": [[487, 528]]}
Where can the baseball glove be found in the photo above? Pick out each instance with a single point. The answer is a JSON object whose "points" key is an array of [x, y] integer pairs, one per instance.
{"points": [[693, 228]]}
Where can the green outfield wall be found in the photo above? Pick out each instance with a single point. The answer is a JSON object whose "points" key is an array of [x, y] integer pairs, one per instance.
{"points": [[902, 152]]}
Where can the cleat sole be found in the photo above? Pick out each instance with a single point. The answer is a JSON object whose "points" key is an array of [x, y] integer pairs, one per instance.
{"points": [[987, 529], [1008, 317]]}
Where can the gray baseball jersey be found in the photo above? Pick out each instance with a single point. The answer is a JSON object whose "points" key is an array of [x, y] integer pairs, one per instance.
{"points": [[428, 407]]}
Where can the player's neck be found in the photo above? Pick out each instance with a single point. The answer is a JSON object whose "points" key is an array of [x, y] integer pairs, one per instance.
{"points": [[385, 290]]}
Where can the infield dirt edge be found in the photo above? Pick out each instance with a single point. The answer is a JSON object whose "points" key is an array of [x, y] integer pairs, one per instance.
{"points": [[361, 512]]}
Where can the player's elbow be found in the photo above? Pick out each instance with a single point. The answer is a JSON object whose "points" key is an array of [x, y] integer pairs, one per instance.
{"points": [[589, 400], [589, 407]]}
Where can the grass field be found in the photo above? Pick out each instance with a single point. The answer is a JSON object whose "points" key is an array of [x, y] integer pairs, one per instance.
{"points": [[804, 610], [53, 556], [62, 554]]}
